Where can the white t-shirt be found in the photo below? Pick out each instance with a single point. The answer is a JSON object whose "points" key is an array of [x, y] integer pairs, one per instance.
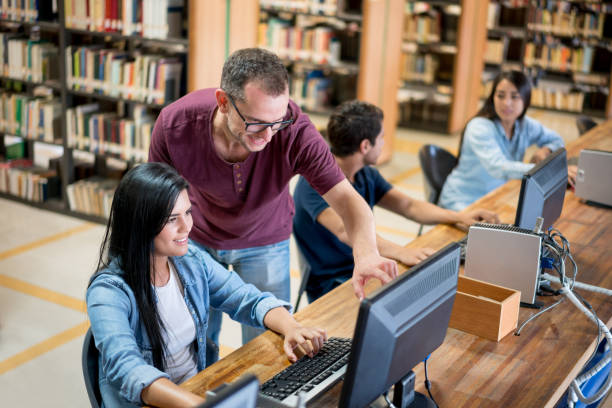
{"points": [[180, 331]]}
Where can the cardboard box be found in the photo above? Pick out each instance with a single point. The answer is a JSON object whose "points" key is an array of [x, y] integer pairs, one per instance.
{"points": [[484, 309]]}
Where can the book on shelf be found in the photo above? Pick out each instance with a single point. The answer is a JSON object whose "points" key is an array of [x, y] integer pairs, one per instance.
{"points": [[93, 195], [494, 51], [422, 23], [566, 19], [155, 19], [557, 95], [107, 133], [557, 56], [26, 59], [33, 117], [302, 41], [22, 179], [323, 7], [418, 67], [148, 78], [28, 10]]}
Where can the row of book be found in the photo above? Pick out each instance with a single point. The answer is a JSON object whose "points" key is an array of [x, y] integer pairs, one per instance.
{"points": [[30, 116], [109, 133], [22, 179], [158, 19], [141, 77], [32, 60], [28, 10], [418, 67], [92, 196], [419, 107], [323, 7], [300, 42], [560, 57], [425, 23], [566, 20], [553, 98]]}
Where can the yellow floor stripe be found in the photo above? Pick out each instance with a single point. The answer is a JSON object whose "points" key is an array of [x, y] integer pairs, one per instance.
{"points": [[404, 175], [43, 347], [42, 293], [43, 241], [382, 228], [406, 146]]}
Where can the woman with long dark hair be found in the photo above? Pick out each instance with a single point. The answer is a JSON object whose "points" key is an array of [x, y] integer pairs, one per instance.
{"points": [[149, 299], [493, 143]]}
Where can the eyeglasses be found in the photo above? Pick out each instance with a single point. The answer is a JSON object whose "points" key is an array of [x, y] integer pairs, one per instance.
{"points": [[256, 127]]}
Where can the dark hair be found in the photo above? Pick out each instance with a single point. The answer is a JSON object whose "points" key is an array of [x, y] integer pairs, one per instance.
{"points": [[522, 84], [254, 64], [141, 206], [352, 122]]}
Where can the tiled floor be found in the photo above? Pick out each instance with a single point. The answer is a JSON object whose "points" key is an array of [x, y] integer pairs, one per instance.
{"points": [[47, 258]]}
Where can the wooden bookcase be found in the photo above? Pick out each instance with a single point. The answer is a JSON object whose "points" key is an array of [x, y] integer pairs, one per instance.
{"points": [[441, 60], [65, 35], [564, 46]]}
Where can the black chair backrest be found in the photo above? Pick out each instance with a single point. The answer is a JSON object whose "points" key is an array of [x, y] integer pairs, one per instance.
{"points": [[584, 124], [436, 163], [89, 360]]}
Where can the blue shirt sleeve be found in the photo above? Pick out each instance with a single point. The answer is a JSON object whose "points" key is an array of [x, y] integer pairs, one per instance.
{"points": [[541, 135], [109, 307], [480, 135], [309, 199]]}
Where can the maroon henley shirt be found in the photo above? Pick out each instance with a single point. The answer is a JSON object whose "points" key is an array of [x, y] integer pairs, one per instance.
{"points": [[244, 204]]}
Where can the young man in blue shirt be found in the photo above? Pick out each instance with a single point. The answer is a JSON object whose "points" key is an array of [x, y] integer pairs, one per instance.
{"points": [[355, 134]]}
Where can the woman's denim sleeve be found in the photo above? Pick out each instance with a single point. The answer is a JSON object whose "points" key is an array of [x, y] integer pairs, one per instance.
{"points": [[480, 135], [241, 301], [542, 136], [109, 308]]}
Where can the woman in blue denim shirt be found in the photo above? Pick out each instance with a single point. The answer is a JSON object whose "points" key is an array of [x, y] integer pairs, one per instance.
{"points": [[493, 144], [148, 302]]}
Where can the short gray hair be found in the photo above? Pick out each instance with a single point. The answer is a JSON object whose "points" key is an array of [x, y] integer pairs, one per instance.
{"points": [[254, 64]]}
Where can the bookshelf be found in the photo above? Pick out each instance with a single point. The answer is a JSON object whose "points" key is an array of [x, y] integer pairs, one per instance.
{"points": [[565, 46], [80, 88], [440, 63]]}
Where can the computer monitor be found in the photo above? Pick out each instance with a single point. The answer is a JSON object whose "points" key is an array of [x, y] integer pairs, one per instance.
{"points": [[241, 393], [543, 191], [398, 326]]}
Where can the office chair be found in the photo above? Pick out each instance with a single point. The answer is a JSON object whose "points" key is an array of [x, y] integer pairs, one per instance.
{"points": [[305, 273], [584, 124], [436, 163], [89, 360]]}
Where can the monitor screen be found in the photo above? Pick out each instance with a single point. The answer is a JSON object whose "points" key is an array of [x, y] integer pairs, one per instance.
{"points": [[241, 393], [399, 325], [543, 191]]}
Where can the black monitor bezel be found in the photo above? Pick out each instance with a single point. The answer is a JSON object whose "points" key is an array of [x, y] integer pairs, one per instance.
{"points": [[368, 302], [530, 174]]}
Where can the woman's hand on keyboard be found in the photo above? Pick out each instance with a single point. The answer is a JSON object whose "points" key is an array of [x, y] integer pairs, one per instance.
{"points": [[308, 340]]}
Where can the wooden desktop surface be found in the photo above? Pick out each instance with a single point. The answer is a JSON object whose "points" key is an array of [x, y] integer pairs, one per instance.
{"points": [[530, 370]]}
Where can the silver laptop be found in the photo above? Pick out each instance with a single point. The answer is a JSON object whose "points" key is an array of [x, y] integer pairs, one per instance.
{"points": [[594, 178]]}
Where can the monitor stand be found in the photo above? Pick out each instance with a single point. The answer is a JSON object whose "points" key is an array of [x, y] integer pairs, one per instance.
{"points": [[404, 395]]}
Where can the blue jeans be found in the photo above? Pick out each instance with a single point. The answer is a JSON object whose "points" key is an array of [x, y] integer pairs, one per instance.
{"points": [[266, 267]]}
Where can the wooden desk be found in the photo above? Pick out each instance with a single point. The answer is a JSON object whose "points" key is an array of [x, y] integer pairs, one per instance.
{"points": [[531, 370]]}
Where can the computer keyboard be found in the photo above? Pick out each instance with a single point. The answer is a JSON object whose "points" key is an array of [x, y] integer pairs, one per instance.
{"points": [[462, 246], [313, 376]]}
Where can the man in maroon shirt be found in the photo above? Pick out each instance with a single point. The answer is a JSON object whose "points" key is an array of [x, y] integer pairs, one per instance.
{"points": [[238, 146]]}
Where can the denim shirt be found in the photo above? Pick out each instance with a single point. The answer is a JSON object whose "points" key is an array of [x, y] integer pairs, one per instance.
{"points": [[488, 159], [126, 361]]}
